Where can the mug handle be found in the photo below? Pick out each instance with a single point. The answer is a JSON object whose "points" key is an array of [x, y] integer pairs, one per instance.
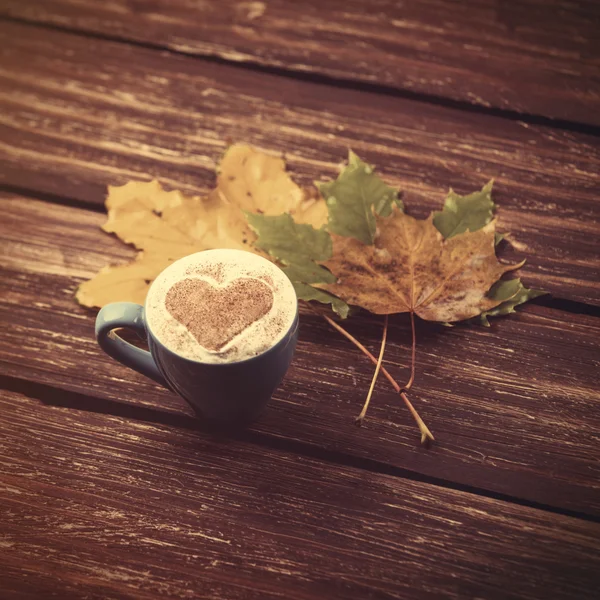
{"points": [[126, 314]]}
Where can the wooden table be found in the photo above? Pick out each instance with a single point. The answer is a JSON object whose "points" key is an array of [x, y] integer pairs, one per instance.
{"points": [[109, 488]]}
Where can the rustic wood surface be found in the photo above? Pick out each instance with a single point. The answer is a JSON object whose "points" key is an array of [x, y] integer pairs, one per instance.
{"points": [[533, 56], [497, 427], [198, 516], [89, 112], [110, 488]]}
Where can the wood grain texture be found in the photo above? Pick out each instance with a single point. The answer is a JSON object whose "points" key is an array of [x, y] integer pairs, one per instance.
{"points": [[532, 56], [96, 506], [514, 408], [78, 114]]}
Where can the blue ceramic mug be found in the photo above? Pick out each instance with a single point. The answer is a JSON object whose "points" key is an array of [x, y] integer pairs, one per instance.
{"points": [[227, 393]]}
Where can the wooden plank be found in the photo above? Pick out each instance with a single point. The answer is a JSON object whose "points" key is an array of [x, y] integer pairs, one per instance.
{"points": [[78, 114], [514, 408], [106, 507], [532, 56]]}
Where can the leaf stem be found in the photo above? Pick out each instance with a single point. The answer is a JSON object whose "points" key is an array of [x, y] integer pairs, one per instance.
{"points": [[363, 412], [414, 353], [425, 433]]}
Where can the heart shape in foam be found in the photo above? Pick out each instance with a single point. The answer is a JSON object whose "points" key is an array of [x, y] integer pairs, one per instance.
{"points": [[215, 315]]}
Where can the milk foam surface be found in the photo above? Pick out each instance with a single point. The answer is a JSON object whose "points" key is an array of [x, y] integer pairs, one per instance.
{"points": [[226, 272]]}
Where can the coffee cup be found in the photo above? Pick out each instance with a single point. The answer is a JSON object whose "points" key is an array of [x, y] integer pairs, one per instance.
{"points": [[221, 326]]}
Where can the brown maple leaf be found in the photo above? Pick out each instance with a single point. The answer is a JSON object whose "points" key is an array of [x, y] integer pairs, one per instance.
{"points": [[411, 268]]}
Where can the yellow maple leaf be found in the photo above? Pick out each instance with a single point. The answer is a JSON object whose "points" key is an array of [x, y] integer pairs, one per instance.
{"points": [[258, 182], [411, 268], [168, 225], [127, 283]]}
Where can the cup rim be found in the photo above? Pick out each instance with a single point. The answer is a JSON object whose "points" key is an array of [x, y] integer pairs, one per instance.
{"points": [[286, 337]]}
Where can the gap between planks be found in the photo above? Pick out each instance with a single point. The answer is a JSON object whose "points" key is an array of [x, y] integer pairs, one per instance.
{"points": [[340, 83]]}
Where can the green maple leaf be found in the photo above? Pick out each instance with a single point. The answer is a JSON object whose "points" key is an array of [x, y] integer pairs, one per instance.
{"points": [[466, 213], [512, 293], [298, 247], [307, 292], [292, 243], [353, 198]]}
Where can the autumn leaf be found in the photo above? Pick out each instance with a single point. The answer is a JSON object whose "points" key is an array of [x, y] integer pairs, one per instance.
{"points": [[355, 197], [168, 225], [441, 269], [357, 202], [297, 248], [411, 268]]}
